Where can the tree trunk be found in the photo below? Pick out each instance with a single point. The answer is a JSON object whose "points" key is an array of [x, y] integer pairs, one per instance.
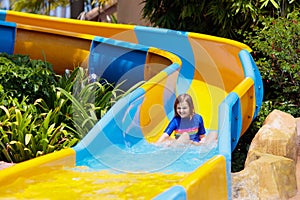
{"points": [[77, 6]]}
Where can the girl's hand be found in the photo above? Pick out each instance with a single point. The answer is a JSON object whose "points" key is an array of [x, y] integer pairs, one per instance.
{"points": [[202, 141]]}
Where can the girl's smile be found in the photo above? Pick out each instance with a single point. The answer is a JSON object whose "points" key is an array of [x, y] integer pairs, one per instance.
{"points": [[183, 109]]}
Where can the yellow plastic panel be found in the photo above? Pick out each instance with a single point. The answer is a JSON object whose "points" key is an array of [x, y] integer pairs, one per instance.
{"points": [[43, 164], [245, 90], [56, 47], [165, 55], [208, 181], [157, 60], [115, 31], [82, 184], [206, 101], [220, 63]]}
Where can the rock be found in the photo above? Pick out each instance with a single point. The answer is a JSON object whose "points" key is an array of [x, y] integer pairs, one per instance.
{"points": [[245, 184], [277, 136], [267, 177], [281, 120], [270, 167]]}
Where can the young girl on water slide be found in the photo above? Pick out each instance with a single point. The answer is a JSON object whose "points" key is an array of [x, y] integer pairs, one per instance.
{"points": [[187, 125]]}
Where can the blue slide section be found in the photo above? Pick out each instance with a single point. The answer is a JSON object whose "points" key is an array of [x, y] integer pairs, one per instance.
{"points": [[173, 41], [8, 35]]}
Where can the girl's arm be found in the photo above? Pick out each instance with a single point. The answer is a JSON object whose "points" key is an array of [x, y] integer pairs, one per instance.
{"points": [[210, 138], [202, 138], [162, 138]]}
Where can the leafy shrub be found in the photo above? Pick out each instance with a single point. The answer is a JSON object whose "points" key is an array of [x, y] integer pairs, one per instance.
{"points": [[54, 116], [22, 77], [214, 17], [87, 101], [26, 133], [276, 51]]}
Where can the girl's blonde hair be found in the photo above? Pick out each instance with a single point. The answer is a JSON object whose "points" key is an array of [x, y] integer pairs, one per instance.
{"points": [[184, 98]]}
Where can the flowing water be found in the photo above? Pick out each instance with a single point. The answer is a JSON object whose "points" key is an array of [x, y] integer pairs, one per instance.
{"points": [[140, 172]]}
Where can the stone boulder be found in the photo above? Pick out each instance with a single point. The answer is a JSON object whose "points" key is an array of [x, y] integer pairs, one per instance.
{"points": [[277, 136], [244, 184], [270, 167], [267, 177]]}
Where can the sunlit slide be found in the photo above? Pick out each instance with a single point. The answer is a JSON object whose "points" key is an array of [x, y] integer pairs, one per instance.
{"points": [[117, 159]]}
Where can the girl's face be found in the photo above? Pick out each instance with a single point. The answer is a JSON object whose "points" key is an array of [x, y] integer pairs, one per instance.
{"points": [[183, 109]]}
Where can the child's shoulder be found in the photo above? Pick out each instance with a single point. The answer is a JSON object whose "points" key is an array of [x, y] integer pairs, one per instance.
{"points": [[197, 116]]}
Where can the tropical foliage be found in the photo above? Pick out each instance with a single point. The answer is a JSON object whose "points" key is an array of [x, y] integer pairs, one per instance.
{"points": [[276, 50], [276, 45], [22, 77], [52, 116], [27, 133], [214, 17]]}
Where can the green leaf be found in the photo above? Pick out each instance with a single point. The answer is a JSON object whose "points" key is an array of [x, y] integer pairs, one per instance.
{"points": [[47, 120], [18, 117], [27, 138], [73, 142], [6, 111], [5, 152]]}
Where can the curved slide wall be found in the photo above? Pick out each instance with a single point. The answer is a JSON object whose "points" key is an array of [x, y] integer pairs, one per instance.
{"points": [[220, 75]]}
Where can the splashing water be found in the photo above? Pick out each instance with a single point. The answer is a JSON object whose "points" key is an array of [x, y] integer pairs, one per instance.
{"points": [[150, 170], [144, 157]]}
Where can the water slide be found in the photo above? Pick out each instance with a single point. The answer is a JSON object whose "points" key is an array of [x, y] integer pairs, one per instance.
{"points": [[116, 159]]}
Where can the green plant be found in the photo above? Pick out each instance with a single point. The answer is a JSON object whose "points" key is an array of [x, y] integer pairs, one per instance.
{"points": [[89, 101], [22, 77], [26, 133], [71, 107], [276, 51], [214, 17]]}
